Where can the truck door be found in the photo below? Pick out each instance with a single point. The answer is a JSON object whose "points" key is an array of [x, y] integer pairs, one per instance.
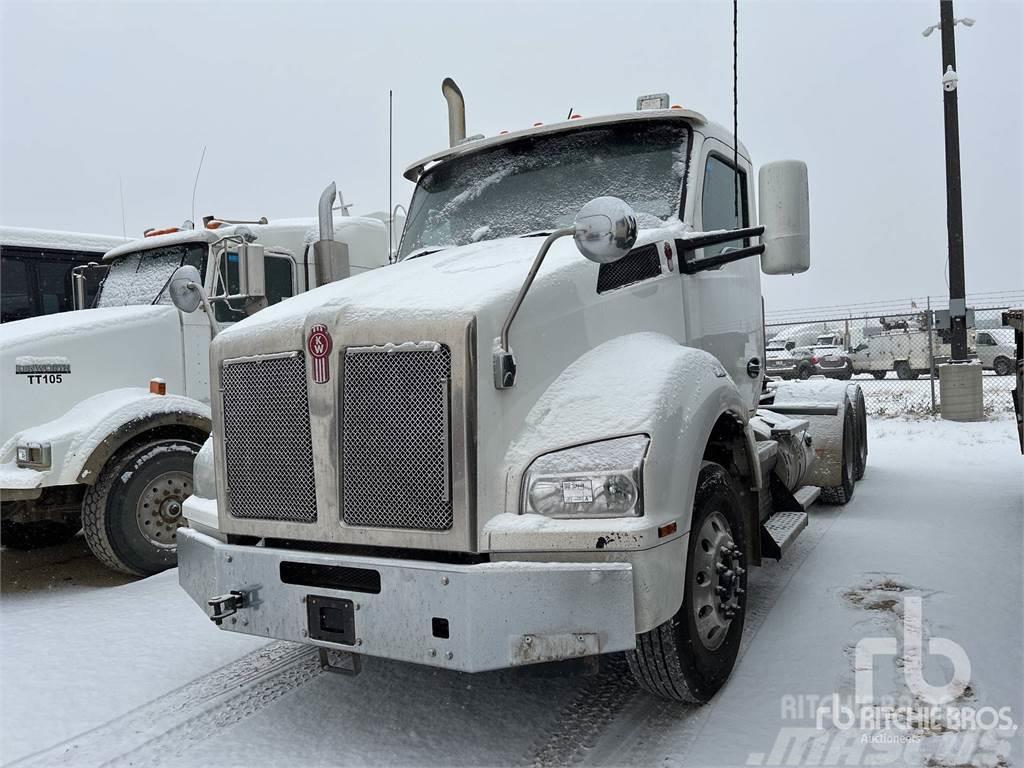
{"points": [[722, 307], [280, 270]]}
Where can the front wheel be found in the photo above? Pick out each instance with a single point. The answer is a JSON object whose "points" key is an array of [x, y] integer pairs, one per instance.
{"points": [[132, 515], [1002, 366], [689, 657]]}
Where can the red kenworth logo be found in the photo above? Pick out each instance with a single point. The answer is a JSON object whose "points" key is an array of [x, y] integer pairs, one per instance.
{"points": [[319, 345]]}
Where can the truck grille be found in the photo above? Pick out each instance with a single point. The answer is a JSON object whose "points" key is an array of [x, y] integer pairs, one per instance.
{"points": [[395, 437], [267, 444]]}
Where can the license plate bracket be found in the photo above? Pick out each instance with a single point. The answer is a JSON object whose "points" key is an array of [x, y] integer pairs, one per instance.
{"points": [[331, 619]]}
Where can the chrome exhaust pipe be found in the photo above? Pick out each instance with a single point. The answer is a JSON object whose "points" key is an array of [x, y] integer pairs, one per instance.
{"points": [[325, 214], [456, 111]]}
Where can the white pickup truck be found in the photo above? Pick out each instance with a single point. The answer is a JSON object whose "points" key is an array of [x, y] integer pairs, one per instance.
{"points": [[104, 409], [543, 433]]}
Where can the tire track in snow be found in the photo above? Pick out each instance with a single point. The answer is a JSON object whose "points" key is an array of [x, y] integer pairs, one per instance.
{"points": [[171, 724], [657, 731]]}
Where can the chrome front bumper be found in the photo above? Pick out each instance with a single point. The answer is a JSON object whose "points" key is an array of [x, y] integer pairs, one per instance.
{"points": [[496, 615]]}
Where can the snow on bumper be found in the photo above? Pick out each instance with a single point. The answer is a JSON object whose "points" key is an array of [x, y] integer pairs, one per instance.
{"points": [[496, 615]]}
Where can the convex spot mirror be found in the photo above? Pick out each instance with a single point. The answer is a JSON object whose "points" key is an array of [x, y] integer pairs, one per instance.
{"points": [[185, 288], [605, 229], [784, 212]]}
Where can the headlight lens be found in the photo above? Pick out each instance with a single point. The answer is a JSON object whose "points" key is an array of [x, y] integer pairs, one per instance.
{"points": [[204, 481], [603, 479], [34, 455]]}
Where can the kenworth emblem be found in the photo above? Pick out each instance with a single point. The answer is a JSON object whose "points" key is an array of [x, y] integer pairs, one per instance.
{"points": [[319, 345]]}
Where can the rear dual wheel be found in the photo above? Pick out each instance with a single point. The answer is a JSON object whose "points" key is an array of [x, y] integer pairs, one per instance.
{"points": [[689, 657], [851, 451]]}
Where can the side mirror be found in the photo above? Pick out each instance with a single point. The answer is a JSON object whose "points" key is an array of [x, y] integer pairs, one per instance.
{"points": [[784, 212], [605, 229], [252, 282], [186, 288]]}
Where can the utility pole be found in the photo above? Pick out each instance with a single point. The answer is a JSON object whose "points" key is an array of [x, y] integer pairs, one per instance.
{"points": [[954, 200]]}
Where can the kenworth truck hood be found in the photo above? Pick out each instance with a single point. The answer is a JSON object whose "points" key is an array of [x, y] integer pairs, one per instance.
{"points": [[51, 363]]}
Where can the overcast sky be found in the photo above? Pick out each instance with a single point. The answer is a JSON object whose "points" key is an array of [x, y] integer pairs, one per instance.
{"points": [[288, 96]]}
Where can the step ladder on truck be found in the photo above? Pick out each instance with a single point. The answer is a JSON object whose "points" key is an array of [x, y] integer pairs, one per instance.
{"points": [[544, 434]]}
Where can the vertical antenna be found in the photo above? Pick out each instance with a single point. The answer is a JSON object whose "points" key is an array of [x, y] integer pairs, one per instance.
{"points": [[735, 110], [195, 184], [391, 209], [120, 189]]}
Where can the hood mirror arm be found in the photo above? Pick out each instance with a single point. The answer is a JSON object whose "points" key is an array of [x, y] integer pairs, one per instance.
{"points": [[504, 361]]}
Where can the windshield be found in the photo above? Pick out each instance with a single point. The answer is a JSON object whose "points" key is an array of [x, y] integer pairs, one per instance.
{"points": [[538, 184], [140, 277]]}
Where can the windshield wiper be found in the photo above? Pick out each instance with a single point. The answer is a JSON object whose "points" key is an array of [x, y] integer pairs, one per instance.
{"points": [[422, 252]]}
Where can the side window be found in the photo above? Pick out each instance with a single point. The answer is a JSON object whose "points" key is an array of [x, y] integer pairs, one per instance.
{"points": [[718, 205], [54, 279], [16, 302], [985, 339], [279, 278], [279, 284]]}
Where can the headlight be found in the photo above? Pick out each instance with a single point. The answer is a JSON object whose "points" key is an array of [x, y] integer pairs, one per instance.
{"points": [[604, 479], [204, 481], [34, 455]]}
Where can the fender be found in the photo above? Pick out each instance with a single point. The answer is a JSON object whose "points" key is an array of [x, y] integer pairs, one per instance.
{"points": [[639, 383], [826, 431], [84, 438]]}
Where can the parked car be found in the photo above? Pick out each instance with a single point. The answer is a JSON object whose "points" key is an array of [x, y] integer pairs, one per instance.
{"points": [[996, 350], [785, 360], [832, 361]]}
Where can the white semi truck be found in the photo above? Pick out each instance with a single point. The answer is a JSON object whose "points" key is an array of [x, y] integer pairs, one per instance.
{"points": [[541, 435], [104, 409]]}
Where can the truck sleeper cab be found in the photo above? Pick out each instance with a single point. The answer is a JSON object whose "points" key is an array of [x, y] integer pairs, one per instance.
{"points": [[105, 409], [510, 448]]}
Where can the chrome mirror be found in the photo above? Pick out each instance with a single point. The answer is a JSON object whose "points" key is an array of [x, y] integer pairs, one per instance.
{"points": [[605, 229], [185, 288]]}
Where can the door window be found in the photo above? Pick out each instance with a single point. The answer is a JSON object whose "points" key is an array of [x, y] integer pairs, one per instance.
{"points": [[718, 204], [16, 303], [278, 279]]}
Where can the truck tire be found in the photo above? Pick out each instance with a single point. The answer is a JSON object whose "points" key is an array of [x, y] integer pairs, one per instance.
{"points": [[860, 464], [131, 515], [842, 493], [879, 374], [1002, 366], [37, 534], [904, 371], [679, 659], [804, 372]]}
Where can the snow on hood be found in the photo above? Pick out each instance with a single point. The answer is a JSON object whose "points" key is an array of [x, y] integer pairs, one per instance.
{"points": [[69, 324], [465, 278]]}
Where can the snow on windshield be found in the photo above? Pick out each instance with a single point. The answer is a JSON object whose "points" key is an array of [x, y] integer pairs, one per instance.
{"points": [[538, 184], [139, 278]]}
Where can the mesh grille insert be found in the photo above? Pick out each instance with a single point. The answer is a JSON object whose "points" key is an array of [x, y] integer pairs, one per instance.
{"points": [[267, 443], [641, 263], [395, 437]]}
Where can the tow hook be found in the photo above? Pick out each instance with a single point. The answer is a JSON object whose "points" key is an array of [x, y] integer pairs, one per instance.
{"points": [[223, 606]]}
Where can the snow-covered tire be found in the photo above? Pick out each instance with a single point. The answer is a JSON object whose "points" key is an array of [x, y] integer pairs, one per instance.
{"points": [[37, 534], [843, 492], [1002, 366], [672, 660], [142, 488]]}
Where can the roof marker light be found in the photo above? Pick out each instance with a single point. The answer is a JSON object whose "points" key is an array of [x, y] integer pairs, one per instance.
{"points": [[502, 132], [574, 117], [537, 124], [677, 106]]}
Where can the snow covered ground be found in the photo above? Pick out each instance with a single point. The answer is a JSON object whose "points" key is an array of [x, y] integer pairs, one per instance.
{"points": [[97, 671]]}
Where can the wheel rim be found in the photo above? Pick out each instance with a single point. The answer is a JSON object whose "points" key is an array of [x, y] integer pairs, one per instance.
{"points": [[159, 510], [1001, 367], [716, 587]]}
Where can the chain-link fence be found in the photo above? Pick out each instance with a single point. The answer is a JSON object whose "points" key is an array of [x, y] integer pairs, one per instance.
{"points": [[894, 357]]}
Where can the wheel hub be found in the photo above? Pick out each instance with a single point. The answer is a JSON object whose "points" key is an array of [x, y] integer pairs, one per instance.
{"points": [[717, 589], [159, 510]]}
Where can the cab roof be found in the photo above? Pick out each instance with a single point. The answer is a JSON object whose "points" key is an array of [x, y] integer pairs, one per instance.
{"points": [[412, 173]]}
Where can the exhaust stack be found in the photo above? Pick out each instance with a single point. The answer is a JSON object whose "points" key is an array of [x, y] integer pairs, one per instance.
{"points": [[329, 256], [456, 111]]}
